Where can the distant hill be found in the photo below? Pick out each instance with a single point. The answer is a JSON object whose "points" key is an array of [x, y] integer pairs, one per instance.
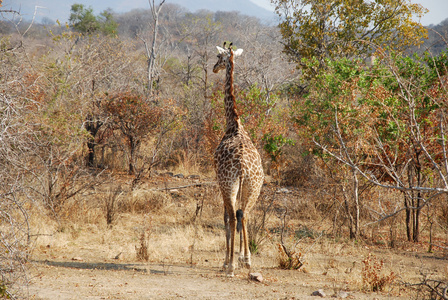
{"points": [[52, 10], [437, 38], [436, 41], [245, 7]]}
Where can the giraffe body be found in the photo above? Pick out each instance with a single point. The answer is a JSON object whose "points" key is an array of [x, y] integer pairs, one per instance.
{"points": [[238, 169]]}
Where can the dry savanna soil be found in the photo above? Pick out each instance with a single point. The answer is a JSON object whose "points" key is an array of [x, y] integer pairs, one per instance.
{"points": [[167, 242]]}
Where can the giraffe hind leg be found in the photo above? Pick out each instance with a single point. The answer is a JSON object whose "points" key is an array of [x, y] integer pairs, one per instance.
{"points": [[230, 224], [241, 253], [232, 221], [247, 262], [227, 229]]}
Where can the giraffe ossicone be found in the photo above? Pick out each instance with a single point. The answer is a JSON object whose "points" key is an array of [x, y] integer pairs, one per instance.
{"points": [[238, 168], [236, 53]]}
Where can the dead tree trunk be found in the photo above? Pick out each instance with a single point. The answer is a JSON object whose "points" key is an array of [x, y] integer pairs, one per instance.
{"points": [[151, 52]]}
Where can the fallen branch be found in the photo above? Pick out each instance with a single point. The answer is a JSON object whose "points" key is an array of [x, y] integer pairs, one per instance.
{"points": [[165, 189], [442, 247], [436, 288], [185, 186]]}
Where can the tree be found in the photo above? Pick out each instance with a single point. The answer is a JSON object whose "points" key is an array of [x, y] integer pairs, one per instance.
{"points": [[84, 21], [332, 107], [96, 66], [346, 28], [387, 124], [135, 118], [201, 32], [151, 51], [107, 24], [420, 87]]}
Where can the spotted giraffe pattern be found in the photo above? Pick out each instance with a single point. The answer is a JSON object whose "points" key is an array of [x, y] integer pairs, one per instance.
{"points": [[238, 167]]}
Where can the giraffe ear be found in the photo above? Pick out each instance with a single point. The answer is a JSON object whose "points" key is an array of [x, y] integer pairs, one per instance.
{"points": [[220, 50], [238, 52]]}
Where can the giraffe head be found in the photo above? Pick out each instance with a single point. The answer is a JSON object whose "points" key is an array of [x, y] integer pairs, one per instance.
{"points": [[224, 57]]}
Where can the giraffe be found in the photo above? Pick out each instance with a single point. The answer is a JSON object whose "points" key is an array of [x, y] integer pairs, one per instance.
{"points": [[238, 168]]}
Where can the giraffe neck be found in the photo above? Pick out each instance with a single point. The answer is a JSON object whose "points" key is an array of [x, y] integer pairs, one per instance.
{"points": [[232, 118]]}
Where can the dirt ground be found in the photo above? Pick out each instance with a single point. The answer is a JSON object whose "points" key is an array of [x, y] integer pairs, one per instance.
{"points": [[68, 280], [96, 279], [89, 260]]}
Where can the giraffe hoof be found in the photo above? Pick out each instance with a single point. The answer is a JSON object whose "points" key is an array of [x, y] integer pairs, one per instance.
{"points": [[229, 271], [241, 262], [247, 262], [230, 274]]}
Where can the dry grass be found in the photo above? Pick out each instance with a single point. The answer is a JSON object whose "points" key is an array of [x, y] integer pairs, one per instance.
{"points": [[144, 201], [186, 162], [148, 225]]}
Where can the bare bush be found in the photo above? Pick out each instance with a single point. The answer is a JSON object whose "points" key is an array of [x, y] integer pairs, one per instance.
{"points": [[257, 224], [110, 204], [142, 249], [373, 275], [14, 245], [15, 145], [289, 260], [288, 257]]}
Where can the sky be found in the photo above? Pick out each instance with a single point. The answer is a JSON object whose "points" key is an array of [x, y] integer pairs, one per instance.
{"points": [[264, 3], [438, 9]]}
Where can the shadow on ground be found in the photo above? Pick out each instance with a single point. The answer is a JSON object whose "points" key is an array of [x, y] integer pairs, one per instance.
{"points": [[162, 269]]}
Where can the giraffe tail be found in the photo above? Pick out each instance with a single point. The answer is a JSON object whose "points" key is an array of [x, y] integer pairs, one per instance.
{"points": [[239, 217]]}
